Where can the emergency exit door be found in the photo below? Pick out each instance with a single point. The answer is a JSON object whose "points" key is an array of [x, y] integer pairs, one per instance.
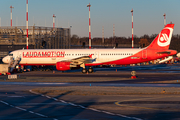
{"points": [[144, 54]]}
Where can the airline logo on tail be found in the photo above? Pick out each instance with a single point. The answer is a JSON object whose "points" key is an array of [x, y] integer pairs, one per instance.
{"points": [[162, 41], [164, 38]]}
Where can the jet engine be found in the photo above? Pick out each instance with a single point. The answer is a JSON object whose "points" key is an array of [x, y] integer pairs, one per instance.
{"points": [[63, 66]]}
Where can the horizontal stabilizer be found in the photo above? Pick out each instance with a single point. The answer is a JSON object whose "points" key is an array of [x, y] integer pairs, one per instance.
{"points": [[167, 59]]}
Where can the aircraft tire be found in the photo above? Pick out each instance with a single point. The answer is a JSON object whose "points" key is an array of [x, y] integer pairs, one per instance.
{"points": [[90, 70], [84, 70]]}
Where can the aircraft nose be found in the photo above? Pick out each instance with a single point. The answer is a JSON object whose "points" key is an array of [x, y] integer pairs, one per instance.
{"points": [[5, 59]]}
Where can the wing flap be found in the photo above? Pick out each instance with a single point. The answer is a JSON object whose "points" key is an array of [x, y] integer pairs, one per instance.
{"points": [[80, 60]]}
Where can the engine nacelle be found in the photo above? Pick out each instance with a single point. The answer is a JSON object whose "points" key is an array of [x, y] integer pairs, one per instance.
{"points": [[63, 66]]}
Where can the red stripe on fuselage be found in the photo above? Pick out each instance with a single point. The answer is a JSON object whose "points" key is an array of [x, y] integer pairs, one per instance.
{"points": [[142, 56]]}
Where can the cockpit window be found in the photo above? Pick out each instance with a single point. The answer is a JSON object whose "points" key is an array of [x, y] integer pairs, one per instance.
{"points": [[10, 54]]}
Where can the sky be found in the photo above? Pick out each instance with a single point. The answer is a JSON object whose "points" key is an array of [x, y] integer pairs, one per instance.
{"points": [[147, 16]]}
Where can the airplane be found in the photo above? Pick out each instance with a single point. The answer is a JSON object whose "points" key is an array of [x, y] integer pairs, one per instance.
{"points": [[67, 59]]}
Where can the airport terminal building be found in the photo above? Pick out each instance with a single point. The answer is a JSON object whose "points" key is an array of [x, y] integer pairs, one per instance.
{"points": [[14, 38]]}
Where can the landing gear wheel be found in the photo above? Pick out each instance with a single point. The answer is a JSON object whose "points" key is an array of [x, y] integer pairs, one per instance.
{"points": [[84, 70], [90, 70]]}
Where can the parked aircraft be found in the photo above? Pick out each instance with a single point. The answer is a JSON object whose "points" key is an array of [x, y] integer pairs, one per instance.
{"points": [[66, 59]]}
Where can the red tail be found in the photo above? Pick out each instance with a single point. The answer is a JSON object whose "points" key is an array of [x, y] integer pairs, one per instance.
{"points": [[162, 41]]}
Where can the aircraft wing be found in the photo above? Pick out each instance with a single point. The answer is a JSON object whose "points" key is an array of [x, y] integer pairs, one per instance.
{"points": [[80, 60]]}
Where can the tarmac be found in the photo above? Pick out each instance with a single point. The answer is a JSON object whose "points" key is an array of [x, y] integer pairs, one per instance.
{"points": [[106, 94]]}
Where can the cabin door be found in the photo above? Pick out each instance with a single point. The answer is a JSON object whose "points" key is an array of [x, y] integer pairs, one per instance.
{"points": [[19, 56], [97, 55]]}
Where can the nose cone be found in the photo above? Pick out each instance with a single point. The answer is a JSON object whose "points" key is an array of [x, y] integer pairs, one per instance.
{"points": [[5, 59]]}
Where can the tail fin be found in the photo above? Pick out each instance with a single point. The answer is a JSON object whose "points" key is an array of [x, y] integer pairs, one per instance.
{"points": [[162, 41]]}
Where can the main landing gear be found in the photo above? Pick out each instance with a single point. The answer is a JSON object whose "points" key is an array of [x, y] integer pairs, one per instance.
{"points": [[90, 70], [84, 70]]}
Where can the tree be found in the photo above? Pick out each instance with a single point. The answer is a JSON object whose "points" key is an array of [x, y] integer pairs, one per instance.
{"points": [[143, 42], [74, 39]]}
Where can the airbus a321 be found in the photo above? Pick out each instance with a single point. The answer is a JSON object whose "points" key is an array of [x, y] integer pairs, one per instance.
{"points": [[67, 59]]}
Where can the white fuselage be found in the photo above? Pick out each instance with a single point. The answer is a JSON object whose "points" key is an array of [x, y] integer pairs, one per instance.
{"points": [[52, 56]]}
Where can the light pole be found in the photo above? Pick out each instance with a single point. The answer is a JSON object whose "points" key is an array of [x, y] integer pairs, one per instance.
{"points": [[27, 40], [89, 27], [164, 19], [54, 21], [113, 35], [132, 29], [11, 15], [103, 34]]}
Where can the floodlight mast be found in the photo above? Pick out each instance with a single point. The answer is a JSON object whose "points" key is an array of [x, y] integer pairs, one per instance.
{"points": [[103, 34], [27, 40], [89, 27], [132, 29], [11, 15], [54, 21], [164, 19]]}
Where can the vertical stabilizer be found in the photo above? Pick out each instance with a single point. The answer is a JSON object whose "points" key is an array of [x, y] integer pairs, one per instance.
{"points": [[162, 41]]}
